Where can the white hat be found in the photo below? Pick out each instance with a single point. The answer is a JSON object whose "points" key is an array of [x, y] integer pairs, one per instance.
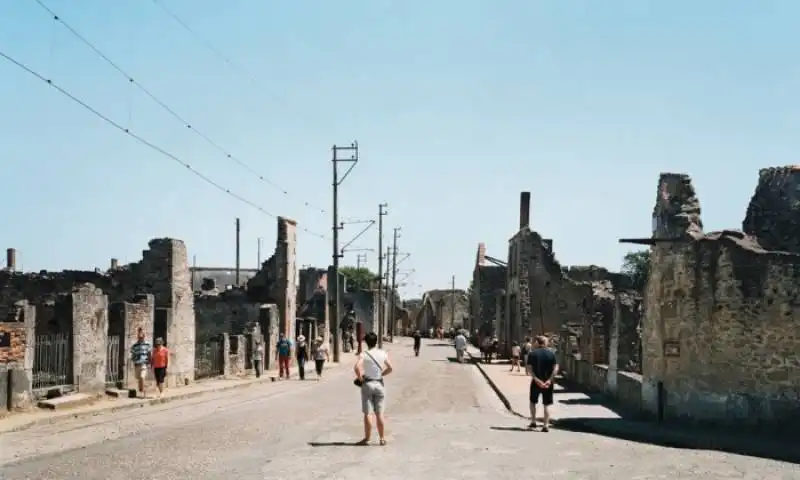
{"points": [[301, 338]]}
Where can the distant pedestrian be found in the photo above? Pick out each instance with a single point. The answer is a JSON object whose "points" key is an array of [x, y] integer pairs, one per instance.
{"points": [[320, 355], [301, 353], [417, 343], [258, 358], [283, 353], [370, 369], [516, 352], [544, 368], [160, 363], [141, 353], [527, 346], [461, 346]]}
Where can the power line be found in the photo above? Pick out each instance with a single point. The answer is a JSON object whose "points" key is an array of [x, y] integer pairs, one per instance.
{"points": [[142, 140], [169, 109]]}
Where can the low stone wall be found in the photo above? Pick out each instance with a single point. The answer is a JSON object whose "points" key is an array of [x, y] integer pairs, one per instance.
{"points": [[625, 388]]}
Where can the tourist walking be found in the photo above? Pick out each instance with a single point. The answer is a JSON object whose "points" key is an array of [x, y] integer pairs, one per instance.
{"points": [[258, 358], [160, 362], [141, 353], [283, 353], [320, 356], [526, 349], [417, 343], [371, 368], [461, 346], [544, 368], [516, 352], [301, 353]]}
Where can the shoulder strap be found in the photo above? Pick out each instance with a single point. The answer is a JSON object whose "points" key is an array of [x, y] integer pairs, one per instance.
{"points": [[366, 352]]}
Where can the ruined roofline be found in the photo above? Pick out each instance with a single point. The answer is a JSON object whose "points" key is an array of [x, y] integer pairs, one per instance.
{"points": [[287, 220], [747, 243]]}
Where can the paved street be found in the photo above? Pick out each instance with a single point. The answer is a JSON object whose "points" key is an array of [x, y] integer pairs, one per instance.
{"points": [[445, 423]]}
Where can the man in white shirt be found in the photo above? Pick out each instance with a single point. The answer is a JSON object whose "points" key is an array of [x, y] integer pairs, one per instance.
{"points": [[371, 367], [461, 346]]}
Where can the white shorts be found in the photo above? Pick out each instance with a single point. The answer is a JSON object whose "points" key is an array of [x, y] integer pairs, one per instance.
{"points": [[141, 372]]}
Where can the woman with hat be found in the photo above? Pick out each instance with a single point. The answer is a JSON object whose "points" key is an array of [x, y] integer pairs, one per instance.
{"points": [[302, 355], [320, 355]]}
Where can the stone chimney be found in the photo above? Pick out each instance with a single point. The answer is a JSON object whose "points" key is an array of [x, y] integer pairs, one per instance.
{"points": [[524, 210], [11, 259], [114, 264], [481, 253]]}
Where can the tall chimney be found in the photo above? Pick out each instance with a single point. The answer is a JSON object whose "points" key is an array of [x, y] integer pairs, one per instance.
{"points": [[524, 210], [114, 264], [11, 259]]}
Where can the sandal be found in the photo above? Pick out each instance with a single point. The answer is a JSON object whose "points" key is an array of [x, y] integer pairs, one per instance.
{"points": [[383, 442]]}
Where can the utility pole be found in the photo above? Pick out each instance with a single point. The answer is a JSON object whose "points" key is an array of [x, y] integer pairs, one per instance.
{"points": [[258, 254], [386, 313], [394, 284], [238, 249], [337, 294], [453, 302], [381, 212], [362, 257]]}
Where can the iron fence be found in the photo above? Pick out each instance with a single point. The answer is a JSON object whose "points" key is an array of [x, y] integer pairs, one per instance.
{"points": [[52, 360], [113, 361], [208, 361]]}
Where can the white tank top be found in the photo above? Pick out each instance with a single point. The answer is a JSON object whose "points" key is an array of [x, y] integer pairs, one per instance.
{"points": [[373, 368]]}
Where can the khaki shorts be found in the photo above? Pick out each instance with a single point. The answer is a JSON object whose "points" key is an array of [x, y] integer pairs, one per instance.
{"points": [[140, 371], [373, 397]]}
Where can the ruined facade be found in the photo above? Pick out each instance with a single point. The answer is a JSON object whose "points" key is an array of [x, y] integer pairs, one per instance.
{"points": [[487, 297], [443, 308], [721, 330]]}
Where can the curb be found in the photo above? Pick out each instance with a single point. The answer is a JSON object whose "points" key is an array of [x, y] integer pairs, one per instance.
{"points": [[56, 418], [477, 362]]}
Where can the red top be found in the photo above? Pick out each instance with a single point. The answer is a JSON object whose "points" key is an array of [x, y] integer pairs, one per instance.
{"points": [[160, 357]]}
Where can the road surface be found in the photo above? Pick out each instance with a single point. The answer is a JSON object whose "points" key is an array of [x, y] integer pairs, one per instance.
{"points": [[444, 423]]}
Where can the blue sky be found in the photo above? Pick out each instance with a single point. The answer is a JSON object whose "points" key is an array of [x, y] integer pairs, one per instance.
{"points": [[457, 107]]}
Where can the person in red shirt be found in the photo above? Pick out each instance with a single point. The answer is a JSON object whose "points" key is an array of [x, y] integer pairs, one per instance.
{"points": [[160, 363]]}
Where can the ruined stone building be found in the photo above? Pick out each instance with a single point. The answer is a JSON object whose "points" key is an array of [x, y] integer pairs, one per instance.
{"points": [[487, 297], [443, 308], [721, 329], [72, 330]]}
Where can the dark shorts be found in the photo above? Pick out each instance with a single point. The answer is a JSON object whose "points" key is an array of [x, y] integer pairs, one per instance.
{"points": [[546, 394], [160, 374]]}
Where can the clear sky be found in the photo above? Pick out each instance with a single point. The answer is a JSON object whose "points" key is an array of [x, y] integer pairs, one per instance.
{"points": [[457, 106]]}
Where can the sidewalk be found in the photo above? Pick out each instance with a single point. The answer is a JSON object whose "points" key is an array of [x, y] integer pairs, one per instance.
{"points": [[15, 422], [577, 411]]}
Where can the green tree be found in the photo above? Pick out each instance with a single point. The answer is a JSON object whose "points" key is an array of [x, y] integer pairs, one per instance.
{"points": [[636, 265], [358, 278]]}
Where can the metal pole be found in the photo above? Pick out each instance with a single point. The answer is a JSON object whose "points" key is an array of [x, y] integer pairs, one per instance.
{"points": [[337, 293], [258, 254], [386, 313], [394, 285], [238, 250], [379, 316], [334, 318]]}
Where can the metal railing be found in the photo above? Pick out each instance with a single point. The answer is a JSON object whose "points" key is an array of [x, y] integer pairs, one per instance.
{"points": [[52, 360], [113, 361], [208, 361]]}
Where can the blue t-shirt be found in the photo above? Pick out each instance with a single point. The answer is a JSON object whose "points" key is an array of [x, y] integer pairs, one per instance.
{"points": [[284, 347]]}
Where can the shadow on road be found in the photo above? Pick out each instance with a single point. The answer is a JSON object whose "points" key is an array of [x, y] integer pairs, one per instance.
{"points": [[581, 401], [337, 444], [439, 345], [641, 431], [512, 429]]}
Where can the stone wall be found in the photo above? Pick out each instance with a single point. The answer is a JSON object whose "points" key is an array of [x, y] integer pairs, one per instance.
{"points": [[125, 319], [721, 330], [452, 310], [16, 356], [230, 313], [488, 283], [773, 215], [89, 338]]}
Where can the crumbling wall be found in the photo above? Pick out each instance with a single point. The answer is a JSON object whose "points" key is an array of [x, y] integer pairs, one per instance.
{"points": [[452, 310], [286, 253], [489, 282], [89, 337], [230, 313], [268, 321], [16, 356], [721, 331], [773, 215], [124, 320]]}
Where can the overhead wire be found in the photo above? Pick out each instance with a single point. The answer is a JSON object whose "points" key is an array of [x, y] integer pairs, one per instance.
{"points": [[169, 109], [144, 141]]}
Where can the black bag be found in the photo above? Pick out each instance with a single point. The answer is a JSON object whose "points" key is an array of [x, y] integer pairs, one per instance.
{"points": [[359, 382]]}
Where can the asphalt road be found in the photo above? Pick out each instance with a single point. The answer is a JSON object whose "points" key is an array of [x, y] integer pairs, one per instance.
{"points": [[444, 423]]}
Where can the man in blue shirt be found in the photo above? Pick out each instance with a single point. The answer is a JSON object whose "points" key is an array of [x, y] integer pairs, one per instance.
{"points": [[141, 352], [283, 352], [543, 366]]}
